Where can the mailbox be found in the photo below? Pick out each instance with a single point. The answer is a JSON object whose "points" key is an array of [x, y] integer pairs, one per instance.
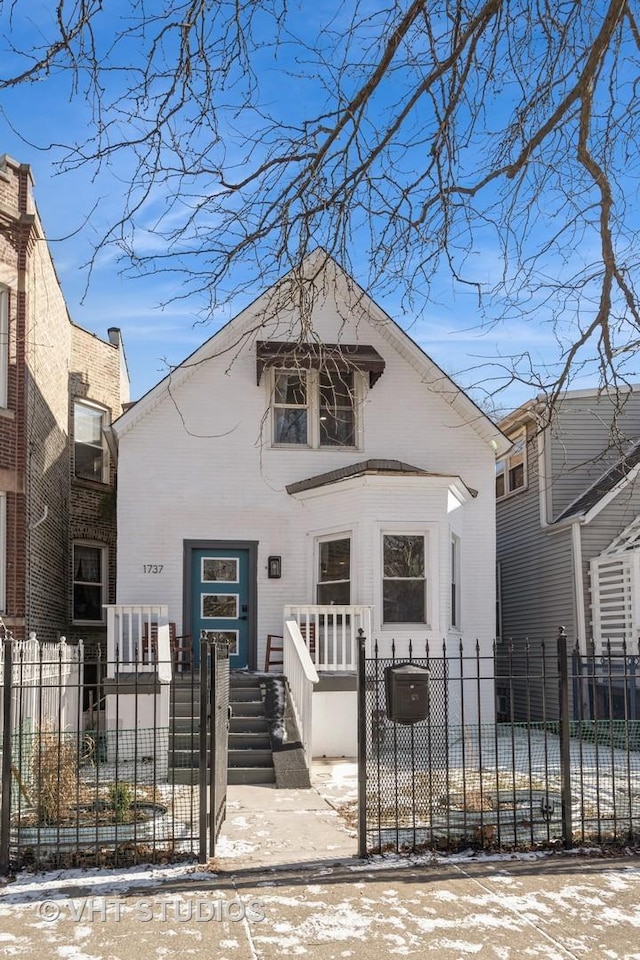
{"points": [[407, 692]]}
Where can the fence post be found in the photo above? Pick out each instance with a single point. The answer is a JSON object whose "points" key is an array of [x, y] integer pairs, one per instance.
{"points": [[565, 741], [362, 748], [7, 733], [204, 771]]}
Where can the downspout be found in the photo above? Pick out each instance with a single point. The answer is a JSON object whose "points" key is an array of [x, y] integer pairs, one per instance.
{"points": [[578, 585]]}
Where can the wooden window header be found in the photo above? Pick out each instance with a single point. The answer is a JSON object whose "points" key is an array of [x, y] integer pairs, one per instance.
{"points": [[319, 356]]}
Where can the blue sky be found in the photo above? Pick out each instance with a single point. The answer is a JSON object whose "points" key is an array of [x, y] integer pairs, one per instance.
{"points": [[76, 208], [158, 336]]}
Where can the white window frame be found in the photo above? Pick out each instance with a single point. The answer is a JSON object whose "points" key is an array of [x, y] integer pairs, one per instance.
{"points": [[329, 538], [3, 552], [312, 406], [89, 405], [505, 464], [454, 597], [4, 346], [104, 578], [428, 590]]}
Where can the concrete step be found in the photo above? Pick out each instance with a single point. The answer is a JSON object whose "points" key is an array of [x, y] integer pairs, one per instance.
{"points": [[245, 693], [248, 725], [243, 679], [251, 775], [185, 740], [248, 740], [250, 758], [247, 708]]}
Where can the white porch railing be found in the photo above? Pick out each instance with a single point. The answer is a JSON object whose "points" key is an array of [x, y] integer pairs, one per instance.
{"points": [[331, 633], [302, 676], [138, 639]]}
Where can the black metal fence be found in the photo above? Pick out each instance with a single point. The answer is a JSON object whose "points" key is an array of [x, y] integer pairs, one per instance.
{"points": [[102, 761], [469, 776]]}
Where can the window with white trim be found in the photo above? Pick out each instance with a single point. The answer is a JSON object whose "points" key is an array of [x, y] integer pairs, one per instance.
{"points": [[314, 408], [404, 578], [89, 582], [4, 346], [91, 460], [455, 582], [3, 552], [511, 471], [334, 571]]}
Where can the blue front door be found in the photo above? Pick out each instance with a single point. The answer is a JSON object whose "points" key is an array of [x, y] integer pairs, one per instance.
{"points": [[220, 601]]}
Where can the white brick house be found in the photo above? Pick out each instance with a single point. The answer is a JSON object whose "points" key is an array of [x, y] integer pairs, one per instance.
{"points": [[334, 453]]}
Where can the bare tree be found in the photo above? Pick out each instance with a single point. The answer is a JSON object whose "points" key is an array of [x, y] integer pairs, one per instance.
{"points": [[494, 139]]}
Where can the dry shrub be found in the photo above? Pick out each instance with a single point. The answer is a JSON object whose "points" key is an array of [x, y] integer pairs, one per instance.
{"points": [[55, 776]]}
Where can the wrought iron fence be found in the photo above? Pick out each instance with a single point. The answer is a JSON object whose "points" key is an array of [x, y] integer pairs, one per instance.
{"points": [[110, 771], [469, 776]]}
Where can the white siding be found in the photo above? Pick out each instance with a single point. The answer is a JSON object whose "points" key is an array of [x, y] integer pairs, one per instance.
{"points": [[199, 466]]}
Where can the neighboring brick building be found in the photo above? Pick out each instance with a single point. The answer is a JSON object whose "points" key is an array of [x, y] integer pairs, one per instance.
{"points": [[59, 386]]}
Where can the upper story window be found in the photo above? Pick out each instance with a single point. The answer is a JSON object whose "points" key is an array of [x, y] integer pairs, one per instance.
{"points": [[511, 471], [404, 579], [4, 346], [314, 408], [90, 451], [334, 571]]}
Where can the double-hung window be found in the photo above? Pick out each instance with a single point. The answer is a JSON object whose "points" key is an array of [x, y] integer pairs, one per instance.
{"points": [[511, 471], [89, 582], [3, 552], [334, 571], [404, 580], [314, 408], [4, 346], [291, 407], [90, 453], [455, 582]]}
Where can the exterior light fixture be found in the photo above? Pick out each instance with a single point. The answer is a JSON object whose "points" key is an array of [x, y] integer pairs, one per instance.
{"points": [[274, 568]]}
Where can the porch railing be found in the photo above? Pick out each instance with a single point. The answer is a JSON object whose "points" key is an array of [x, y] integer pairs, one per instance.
{"points": [[138, 639], [302, 676], [331, 633]]}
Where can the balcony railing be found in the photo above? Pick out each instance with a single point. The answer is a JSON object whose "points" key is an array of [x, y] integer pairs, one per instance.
{"points": [[138, 639], [331, 633]]}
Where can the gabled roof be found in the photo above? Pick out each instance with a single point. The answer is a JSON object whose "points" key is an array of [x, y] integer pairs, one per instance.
{"points": [[247, 324], [366, 468], [617, 475]]}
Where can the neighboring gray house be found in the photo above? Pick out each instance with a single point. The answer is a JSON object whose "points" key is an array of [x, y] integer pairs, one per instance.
{"points": [[568, 534]]}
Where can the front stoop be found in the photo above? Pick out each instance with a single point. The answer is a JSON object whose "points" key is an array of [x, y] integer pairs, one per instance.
{"points": [[250, 755]]}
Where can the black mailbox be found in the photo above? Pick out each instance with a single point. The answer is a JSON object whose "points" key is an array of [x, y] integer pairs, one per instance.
{"points": [[407, 692]]}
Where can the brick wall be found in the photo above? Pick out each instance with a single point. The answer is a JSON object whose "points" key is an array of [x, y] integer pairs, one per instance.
{"points": [[50, 361]]}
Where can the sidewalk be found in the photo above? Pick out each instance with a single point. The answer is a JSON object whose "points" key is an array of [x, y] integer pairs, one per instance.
{"points": [[286, 883]]}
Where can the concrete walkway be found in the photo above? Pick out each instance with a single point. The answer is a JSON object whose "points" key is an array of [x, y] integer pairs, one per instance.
{"points": [[286, 883]]}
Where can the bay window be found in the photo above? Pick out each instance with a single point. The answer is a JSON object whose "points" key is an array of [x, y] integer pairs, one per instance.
{"points": [[404, 583], [334, 571]]}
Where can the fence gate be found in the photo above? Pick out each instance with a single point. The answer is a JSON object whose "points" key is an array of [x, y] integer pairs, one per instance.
{"points": [[214, 741]]}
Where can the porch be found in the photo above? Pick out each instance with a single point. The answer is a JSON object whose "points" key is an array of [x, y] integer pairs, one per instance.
{"points": [[141, 639], [317, 654]]}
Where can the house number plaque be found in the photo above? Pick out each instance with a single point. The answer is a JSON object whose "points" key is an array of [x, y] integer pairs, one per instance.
{"points": [[152, 567]]}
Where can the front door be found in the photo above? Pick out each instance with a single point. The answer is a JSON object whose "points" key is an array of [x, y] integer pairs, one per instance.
{"points": [[220, 601]]}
